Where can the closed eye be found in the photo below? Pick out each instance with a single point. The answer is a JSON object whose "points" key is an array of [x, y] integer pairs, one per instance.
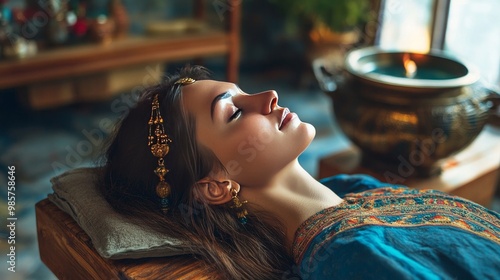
{"points": [[236, 115]]}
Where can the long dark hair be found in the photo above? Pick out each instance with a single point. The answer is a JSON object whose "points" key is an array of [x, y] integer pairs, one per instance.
{"points": [[255, 250]]}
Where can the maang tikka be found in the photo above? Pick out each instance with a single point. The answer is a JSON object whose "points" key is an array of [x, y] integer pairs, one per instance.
{"points": [[158, 142]]}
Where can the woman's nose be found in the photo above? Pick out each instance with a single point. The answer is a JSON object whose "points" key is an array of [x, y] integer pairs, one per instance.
{"points": [[266, 101]]}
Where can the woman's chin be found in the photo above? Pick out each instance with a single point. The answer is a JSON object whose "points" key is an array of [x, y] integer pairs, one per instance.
{"points": [[310, 131]]}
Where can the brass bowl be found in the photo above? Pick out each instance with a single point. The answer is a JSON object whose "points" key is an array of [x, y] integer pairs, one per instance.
{"points": [[406, 126]]}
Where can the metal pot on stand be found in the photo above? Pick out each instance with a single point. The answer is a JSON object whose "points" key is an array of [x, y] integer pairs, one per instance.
{"points": [[396, 117]]}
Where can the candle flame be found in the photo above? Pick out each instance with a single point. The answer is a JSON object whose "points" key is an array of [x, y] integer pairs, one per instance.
{"points": [[410, 66]]}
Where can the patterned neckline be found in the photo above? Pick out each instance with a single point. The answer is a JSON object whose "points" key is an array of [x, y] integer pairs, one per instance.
{"points": [[396, 207]]}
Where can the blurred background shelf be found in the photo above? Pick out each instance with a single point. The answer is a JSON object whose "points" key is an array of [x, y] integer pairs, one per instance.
{"points": [[96, 70], [74, 61]]}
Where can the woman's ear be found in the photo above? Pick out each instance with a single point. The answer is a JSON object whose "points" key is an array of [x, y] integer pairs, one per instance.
{"points": [[215, 192]]}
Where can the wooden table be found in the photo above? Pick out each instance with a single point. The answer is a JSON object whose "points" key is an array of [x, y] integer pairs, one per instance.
{"points": [[473, 173], [68, 252]]}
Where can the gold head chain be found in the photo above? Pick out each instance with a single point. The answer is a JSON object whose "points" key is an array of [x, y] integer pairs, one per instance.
{"points": [[158, 142]]}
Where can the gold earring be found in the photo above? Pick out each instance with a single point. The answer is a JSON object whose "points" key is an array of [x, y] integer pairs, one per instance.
{"points": [[238, 206]]}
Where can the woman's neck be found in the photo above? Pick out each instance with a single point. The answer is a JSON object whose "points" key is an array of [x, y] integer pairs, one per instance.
{"points": [[293, 196]]}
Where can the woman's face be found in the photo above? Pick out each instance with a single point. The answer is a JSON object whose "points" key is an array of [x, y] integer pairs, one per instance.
{"points": [[250, 134]]}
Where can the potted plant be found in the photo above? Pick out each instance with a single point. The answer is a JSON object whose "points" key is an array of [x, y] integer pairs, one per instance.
{"points": [[329, 20]]}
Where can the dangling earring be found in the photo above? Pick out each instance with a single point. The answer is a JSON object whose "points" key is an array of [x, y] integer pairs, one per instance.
{"points": [[238, 206]]}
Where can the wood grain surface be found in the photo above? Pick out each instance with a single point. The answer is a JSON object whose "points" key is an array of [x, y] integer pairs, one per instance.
{"points": [[68, 252]]}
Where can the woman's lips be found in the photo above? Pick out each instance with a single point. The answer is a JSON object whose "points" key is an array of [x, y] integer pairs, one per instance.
{"points": [[286, 118]]}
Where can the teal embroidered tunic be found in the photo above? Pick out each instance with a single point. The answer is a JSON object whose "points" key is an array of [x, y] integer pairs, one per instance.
{"points": [[383, 231]]}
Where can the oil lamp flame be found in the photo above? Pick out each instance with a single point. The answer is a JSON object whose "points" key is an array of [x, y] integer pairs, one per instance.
{"points": [[410, 66]]}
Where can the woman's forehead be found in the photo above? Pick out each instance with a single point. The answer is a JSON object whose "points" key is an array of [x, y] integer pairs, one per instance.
{"points": [[200, 94], [207, 87]]}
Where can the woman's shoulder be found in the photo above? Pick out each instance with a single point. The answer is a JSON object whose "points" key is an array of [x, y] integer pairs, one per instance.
{"points": [[343, 184]]}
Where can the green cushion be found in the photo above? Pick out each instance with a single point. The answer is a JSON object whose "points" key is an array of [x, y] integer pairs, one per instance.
{"points": [[113, 235]]}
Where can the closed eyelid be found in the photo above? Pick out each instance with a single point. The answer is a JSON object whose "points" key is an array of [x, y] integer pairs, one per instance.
{"points": [[216, 100], [225, 95], [232, 113]]}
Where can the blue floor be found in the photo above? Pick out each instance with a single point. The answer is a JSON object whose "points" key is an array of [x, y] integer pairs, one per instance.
{"points": [[42, 144]]}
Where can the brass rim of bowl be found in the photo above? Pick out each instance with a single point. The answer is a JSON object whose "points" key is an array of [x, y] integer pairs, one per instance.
{"points": [[353, 66]]}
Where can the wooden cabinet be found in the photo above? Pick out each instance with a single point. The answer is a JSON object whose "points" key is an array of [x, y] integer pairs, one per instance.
{"points": [[63, 64]]}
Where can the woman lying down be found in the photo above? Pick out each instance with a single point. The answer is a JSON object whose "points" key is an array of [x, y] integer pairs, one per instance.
{"points": [[203, 160]]}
